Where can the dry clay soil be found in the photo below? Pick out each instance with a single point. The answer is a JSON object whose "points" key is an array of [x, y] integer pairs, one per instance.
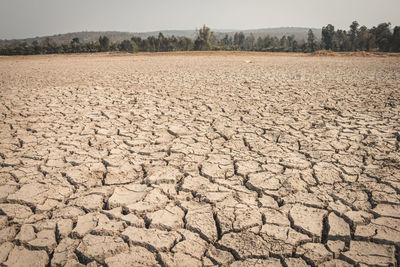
{"points": [[191, 160]]}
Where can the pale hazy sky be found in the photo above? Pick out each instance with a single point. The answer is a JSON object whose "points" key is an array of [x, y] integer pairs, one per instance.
{"points": [[30, 18]]}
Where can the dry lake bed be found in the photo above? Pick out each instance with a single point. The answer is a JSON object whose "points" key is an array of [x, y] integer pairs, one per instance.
{"points": [[199, 160]]}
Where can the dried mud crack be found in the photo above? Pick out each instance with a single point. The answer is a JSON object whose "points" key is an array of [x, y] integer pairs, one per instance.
{"points": [[199, 160]]}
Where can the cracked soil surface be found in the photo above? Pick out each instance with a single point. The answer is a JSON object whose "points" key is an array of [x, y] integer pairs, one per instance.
{"points": [[199, 160]]}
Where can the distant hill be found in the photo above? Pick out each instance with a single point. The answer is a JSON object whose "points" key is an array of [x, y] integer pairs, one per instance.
{"points": [[85, 36]]}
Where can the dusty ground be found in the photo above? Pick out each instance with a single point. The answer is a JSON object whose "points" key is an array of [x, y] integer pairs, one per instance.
{"points": [[190, 160]]}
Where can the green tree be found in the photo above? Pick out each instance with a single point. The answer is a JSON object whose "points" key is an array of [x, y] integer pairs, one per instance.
{"points": [[104, 43], [36, 47], [363, 38], [328, 34], [311, 46], [185, 44], [225, 41], [248, 43], [396, 39], [75, 45], [138, 43], [49, 46], [153, 44], [238, 40], [204, 39], [259, 43], [126, 46], [284, 43], [268, 42], [353, 35], [163, 42], [92, 47], [172, 43], [290, 40], [342, 41], [294, 46], [383, 36]]}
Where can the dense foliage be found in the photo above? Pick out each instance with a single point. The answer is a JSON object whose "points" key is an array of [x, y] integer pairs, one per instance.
{"points": [[381, 38]]}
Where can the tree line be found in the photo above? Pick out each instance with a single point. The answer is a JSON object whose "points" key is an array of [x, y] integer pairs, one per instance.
{"points": [[380, 38]]}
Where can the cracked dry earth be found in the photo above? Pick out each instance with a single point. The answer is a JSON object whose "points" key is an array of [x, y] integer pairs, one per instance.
{"points": [[199, 160]]}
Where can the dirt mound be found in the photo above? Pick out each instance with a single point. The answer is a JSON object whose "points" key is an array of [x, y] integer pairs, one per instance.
{"points": [[363, 54], [324, 53]]}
